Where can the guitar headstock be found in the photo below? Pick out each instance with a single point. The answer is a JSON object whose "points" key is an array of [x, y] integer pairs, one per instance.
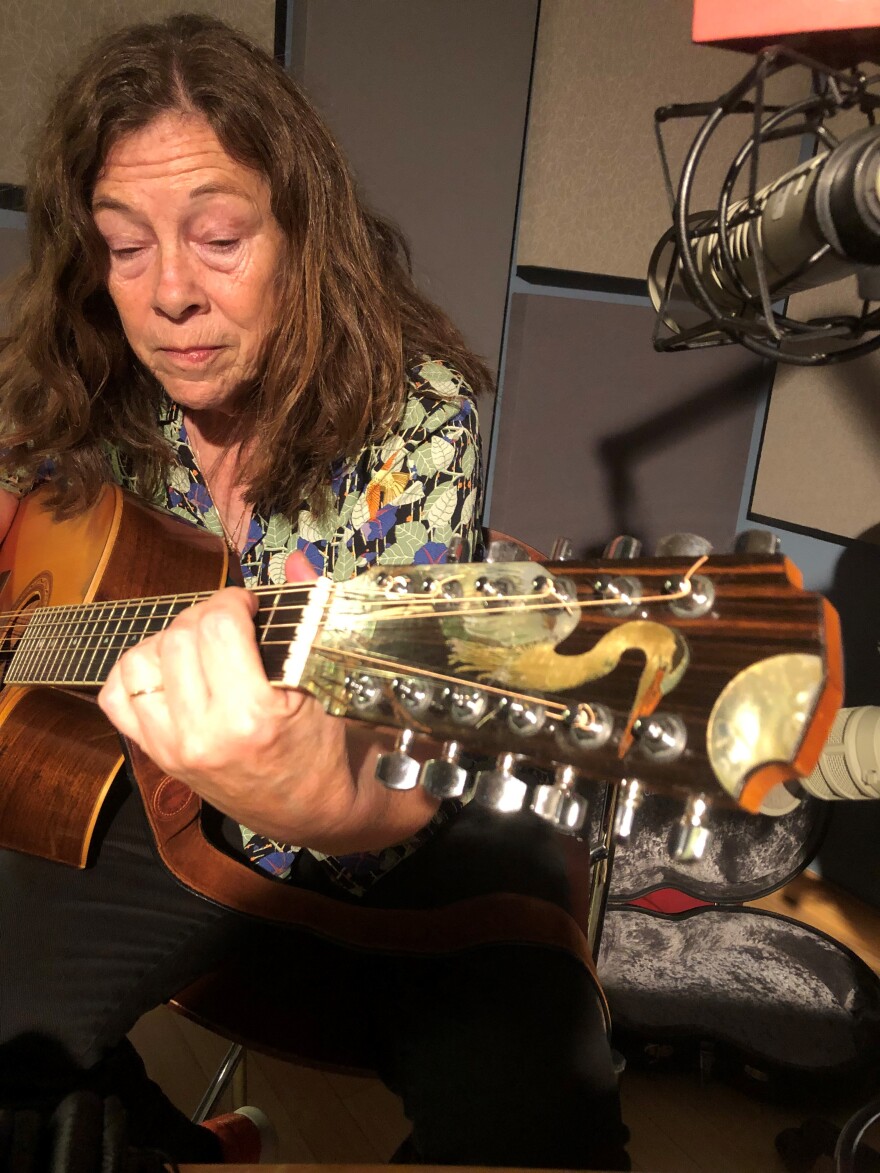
{"points": [[716, 677]]}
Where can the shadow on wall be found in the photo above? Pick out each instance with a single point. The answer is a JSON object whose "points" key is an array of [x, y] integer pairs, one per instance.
{"points": [[621, 453]]}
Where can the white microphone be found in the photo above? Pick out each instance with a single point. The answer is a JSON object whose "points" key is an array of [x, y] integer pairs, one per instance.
{"points": [[849, 765]]}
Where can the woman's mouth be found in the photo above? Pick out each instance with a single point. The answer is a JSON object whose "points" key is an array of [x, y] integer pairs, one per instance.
{"points": [[191, 356]]}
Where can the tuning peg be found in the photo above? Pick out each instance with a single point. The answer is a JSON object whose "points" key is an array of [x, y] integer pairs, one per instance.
{"points": [[397, 770], [414, 695], [560, 804], [623, 547], [588, 725], [690, 837], [662, 736], [631, 797], [505, 550], [561, 550], [499, 788], [756, 541], [683, 546], [443, 777]]}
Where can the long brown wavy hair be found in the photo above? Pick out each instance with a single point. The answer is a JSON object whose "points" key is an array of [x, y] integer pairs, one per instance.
{"points": [[333, 372]]}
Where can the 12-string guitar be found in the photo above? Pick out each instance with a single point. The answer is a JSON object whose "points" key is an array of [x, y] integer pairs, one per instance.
{"points": [[713, 679]]}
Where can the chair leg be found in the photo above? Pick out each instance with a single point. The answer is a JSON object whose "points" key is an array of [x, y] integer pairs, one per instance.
{"points": [[219, 1083], [601, 863]]}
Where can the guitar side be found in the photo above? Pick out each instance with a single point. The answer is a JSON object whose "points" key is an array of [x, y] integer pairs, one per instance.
{"points": [[58, 752]]}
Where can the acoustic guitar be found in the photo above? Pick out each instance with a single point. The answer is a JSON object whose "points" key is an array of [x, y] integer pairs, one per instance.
{"points": [[717, 678]]}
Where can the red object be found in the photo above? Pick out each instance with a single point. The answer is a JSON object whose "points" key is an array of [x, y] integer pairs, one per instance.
{"points": [[669, 900], [841, 32], [245, 1136]]}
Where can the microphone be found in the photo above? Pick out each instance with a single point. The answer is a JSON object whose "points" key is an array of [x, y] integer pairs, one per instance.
{"points": [[849, 765], [818, 223], [717, 276]]}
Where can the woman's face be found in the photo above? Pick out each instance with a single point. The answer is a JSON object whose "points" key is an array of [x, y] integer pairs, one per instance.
{"points": [[194, 257]]}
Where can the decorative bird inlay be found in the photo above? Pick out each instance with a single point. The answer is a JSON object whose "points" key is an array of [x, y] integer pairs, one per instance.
{"points": [[385, 486], [541, 667]]}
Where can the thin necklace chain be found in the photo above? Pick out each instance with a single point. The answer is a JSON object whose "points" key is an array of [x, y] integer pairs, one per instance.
{"points": [[234, 548]]}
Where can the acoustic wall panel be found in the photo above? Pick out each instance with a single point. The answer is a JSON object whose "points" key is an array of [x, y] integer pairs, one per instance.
{"points": [[818, 467], [428, 98], [593, 194], [600, 435], [41, 40]]}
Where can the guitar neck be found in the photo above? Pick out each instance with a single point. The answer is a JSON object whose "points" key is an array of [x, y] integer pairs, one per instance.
{"points": [[76, 646]]}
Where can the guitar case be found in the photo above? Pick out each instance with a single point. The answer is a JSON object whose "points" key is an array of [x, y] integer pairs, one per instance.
{"points": [[750, 995]]}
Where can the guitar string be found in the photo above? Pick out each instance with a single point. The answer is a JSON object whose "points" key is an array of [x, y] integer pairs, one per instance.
{"points": [[66, 613], [391, 668], [53, 641], [108, 645], [287, 589]]}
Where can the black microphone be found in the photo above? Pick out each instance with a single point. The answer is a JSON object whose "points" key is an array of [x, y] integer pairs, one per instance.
{"points": [[849, 765]]}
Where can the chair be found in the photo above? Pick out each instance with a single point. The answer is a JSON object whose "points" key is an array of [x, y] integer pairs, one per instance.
{"points": [[236, 1002]]}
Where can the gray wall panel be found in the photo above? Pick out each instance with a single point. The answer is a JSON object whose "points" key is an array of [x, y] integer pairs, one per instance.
{"points": [[600, 435], [428, 98]]}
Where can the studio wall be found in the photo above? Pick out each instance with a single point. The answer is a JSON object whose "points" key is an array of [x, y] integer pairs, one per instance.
{"points": [[40, 40]]}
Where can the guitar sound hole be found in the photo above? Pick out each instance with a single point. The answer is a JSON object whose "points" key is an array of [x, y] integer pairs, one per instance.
{"points": [[15, 628]]}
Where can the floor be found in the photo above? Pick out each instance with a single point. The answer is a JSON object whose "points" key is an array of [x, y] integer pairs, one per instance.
{"points": [[677, 1125]]}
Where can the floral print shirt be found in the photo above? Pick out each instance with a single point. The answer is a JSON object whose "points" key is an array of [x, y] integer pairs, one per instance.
{"points": [[408, 498]]}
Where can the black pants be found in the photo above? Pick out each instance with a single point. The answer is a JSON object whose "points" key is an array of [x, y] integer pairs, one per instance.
{"points": [[498, 1053]]}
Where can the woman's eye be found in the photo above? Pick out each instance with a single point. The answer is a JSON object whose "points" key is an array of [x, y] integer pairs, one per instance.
{"points": [[123, 253], [223, 246]]}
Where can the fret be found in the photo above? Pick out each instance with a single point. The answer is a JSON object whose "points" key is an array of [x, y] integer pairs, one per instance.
{"points": [[71, 645], [57, 646], [264, 625], [107, 643], [27, 653], [80, 643], [272, 648], [91, 645]]}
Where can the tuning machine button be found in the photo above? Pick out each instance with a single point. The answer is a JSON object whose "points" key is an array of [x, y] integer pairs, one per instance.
{"points": [[623, 548], [560, 805], [630, 799], [691, 837], [443, 777], [756, 541], [499, 789], [683, 546], [397, 770], [662, 737], [505, 550], [562, 550]]}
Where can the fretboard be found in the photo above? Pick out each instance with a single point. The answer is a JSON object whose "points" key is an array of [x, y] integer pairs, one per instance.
{"points": [[77, 645]]}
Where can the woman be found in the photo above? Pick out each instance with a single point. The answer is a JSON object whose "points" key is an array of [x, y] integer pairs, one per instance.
{"points": [[212, 319]]}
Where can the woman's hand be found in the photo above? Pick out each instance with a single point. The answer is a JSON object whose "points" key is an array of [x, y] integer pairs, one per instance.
{"points": [[195, 698]]}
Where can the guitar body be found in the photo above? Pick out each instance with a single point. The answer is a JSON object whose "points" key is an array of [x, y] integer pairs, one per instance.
{"points": [[58, 752]]}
